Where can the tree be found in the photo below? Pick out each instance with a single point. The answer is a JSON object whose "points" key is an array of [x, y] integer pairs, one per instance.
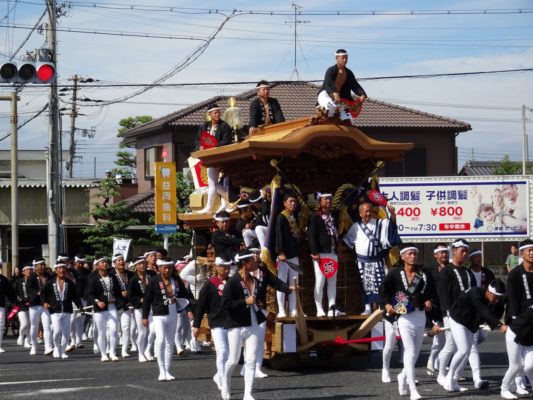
{"points": [[110, 218], [508, 167], [111, 214], [126, 161]]}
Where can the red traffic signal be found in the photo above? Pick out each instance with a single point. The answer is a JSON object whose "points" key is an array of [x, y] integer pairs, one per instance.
{"points": [[27, 72]]}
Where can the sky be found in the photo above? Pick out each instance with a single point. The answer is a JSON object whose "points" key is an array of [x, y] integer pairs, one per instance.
{"points": [[384, 39]]}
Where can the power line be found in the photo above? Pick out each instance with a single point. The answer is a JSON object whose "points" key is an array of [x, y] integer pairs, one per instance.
{"points": [[25, 122], [28, 36], [193, 10], [235, 83]]}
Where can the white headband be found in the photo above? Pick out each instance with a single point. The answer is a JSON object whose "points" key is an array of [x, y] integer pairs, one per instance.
{"points": [[116, 257], [133, 263], [243, 257], [60, 265], [149, 252], [460, 244], [439, 249], [494, 291], [263, 85], [62, 258], [221, 219], [526, 246], [213, 109], [220, 261], [27, 267], [341, 54], [77, 259], [411, 248], [243, 205], [100, 259], [474, 253], [37, 262], [320, 195], [161, 263]]}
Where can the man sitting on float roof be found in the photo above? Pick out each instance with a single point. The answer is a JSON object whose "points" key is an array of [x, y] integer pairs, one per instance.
{"points": [[264, 110], [339, 83]]}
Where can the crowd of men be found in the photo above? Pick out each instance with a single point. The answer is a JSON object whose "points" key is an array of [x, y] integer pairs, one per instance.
{"points": [[154, 306]]}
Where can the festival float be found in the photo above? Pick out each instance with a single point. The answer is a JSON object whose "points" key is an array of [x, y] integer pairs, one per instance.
{"points": [[305, 155]]}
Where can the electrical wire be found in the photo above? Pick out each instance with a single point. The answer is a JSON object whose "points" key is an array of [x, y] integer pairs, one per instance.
{"points": [[25, 122]]}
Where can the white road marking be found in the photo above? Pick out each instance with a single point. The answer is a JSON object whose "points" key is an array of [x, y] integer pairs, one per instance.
{"points": [[43, 381], [58, 391]]}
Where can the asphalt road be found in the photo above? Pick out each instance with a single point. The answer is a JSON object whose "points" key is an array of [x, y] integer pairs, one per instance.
{"points": [[83, 376]]}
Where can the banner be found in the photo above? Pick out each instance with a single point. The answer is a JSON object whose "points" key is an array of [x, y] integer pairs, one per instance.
{"points": [[165, 197], [474, 208], [121, 246], [198, 171]]}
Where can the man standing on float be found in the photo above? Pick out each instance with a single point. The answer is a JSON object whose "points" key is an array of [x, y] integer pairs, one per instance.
{"points": [[370, 238]]}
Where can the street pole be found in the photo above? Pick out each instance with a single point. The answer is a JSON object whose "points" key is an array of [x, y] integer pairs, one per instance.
{"points": [[13, 119], [53, 176], [73, 114], [14, 186], [524, 140]]}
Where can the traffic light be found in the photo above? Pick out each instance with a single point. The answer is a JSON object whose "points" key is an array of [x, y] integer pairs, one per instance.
{"points": [[27, 72]]}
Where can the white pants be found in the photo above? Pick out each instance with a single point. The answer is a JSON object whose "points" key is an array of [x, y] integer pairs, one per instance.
{"points": [[220, 338], [24, 330], [213, 188], [463, 338], [106, 322], [436, 346], [411, 327], [125, 326], [2, 324], [61, 330], [165, 330], [40, 313], [141, 331], [320, 280], [447, 351], [261, 233], [473, 358], [391, 330], [248, 236], [326, 102], [77, 325], [287, 275], [183, 335], [237, 337], [520, 359]]}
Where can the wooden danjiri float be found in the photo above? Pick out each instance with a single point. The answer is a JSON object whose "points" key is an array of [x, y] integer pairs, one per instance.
{"points": [[308, 155]]}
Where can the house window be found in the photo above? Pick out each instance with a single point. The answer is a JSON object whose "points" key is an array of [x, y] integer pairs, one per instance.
{"points": [[415, 162], [151, 155]]}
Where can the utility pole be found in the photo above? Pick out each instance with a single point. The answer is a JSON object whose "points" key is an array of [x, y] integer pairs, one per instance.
{"points": [[524, 140], [13, 119], [73, 114], [53, 182], [295, 22]]}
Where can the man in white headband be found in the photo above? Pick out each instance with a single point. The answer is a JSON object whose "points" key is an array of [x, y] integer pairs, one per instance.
{"points": [[162, 298], [104, 294], [483, 277], [210, 303], [323, 242], [246, 223], [21, 290], [469, 310], [441, 254], [455, 279], [124, 314], [370, 237], [519, 338], [264, 110], [78, 320], [36, 282], [339, 83], [213, 133], [224, 239]]}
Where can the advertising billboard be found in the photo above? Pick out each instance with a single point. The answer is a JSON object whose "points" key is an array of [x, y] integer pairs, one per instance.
{"points": [[474, 208]]}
